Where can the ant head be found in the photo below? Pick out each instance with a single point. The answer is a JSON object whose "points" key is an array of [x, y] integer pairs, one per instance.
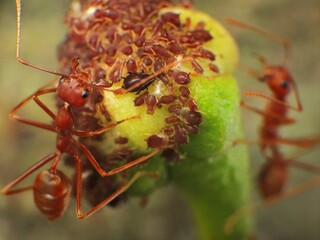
{"points": [[74, 89], [278, 79]]}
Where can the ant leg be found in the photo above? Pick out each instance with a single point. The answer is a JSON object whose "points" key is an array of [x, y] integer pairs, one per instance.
{"points": [[262, 113], [303, 143], [272, 36], [40, 104], [101, 130], [122, 189], [91, 158], [252, 208], [274, 142], [102, 172], [7, 190], [305, 166], [132, 163], [297, 108]]}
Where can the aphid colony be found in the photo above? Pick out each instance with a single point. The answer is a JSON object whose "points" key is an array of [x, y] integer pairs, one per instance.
{"points": [[128, 47]]}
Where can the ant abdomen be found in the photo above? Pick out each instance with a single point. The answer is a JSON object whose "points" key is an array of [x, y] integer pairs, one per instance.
{"points": [[51, 193], [272, 178]]}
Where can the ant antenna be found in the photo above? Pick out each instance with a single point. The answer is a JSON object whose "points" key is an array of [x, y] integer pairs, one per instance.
{"points": [[20, 60], [284, 42], [262, 95]]}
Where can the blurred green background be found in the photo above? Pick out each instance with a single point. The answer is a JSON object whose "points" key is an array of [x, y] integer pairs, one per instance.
{"points": [[166, 216]]}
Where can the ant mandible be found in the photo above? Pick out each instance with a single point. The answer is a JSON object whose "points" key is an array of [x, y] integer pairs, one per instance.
{"points": [[52, 188]]}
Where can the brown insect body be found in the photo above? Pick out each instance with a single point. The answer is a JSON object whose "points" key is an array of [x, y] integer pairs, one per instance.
{"points": [[133, 78], [273, 177], [51, 191]]}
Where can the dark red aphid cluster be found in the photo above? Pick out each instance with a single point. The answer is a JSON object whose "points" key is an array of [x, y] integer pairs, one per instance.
{"points": [[122, 43]]}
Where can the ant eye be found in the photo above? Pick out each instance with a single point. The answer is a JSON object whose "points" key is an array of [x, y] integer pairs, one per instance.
{"points": [[61, 79], [285, 84], [85, 94]]}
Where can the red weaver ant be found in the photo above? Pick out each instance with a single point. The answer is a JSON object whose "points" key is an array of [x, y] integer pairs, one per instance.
{"points": [[274, 174], [52, 188]]}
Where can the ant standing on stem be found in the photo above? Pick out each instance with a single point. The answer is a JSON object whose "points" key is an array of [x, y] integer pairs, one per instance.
{"points": [[52, 188]]}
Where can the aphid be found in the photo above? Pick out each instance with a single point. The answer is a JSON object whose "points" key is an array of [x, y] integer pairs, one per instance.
{"points": [[175, 108], [171, 155], [74, 90], [185, 92], [214, 68], [172, 18], [111, 50], [139, 41], [197, 67], [167, 99], [147, 61], [180, 77], [176, 47], [181, 135], [192, 105], [193, 118], [121, 140], [193, 129], [155, 141], [131, 65], [167, 130], [138, 101], [172, 119], [115, 73], [151, 102]]}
